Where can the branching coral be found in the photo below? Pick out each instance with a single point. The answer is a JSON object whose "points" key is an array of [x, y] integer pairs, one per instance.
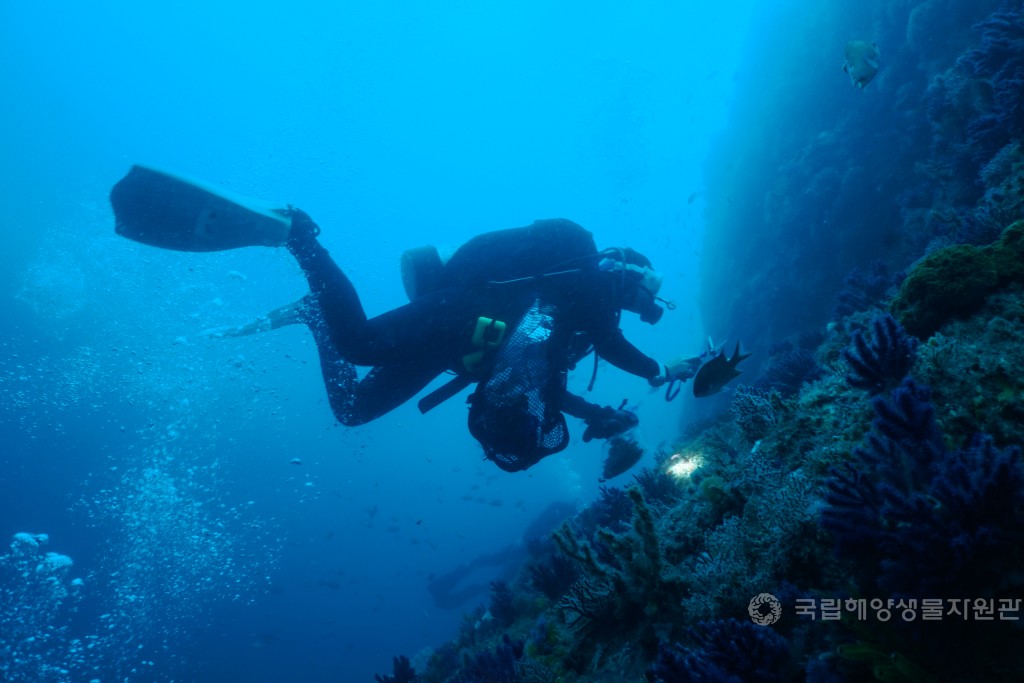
{"points": [[632, 585], [921, 519], [726, 651], [773, 537], [659, 489], [756, 411], [611, 510], [790, 365], [998, 61], [553, 576], [862, 290], [589, 605], [503, 604], [984, 224], [884, 359], [403, 672], [497, 666]]}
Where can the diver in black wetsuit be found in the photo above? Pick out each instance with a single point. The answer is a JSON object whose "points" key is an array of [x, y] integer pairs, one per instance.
{"points": [[512, 310]]}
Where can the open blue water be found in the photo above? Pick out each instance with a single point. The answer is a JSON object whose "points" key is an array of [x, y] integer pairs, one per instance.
{"points": [[160, 462]]}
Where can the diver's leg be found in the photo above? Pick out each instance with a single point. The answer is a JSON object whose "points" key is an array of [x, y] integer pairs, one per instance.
{"points": [[340, 307], [384, 389], [340, 382], [354, 401]]}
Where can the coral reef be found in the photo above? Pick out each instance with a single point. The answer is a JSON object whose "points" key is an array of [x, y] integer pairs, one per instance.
{"points": [[725, 650], [843, 493], [915, 519], [998, 62], [503, 604], [499, 665], [923, 519], [628, 588], [884, 359], [954, 282], [790, 365], [659, 489], [553, 576], [864, 463], [862, 290], [402, 672], [611, 510], [973, 368], [756, 411]]}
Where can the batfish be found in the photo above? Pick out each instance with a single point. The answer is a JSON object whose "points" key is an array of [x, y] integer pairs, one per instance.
{"points": [[861, 62], [717, 372]]}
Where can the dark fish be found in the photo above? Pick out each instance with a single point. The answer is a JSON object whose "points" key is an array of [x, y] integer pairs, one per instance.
{"points": [[717, 372], [861, 62], [693, 197], [624, 451]]}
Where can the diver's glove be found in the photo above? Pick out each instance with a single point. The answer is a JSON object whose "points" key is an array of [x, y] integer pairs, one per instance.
{"points": [[680, 369], [608, 422]]}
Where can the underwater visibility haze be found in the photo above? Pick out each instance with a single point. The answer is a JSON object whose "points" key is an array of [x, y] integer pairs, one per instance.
{"points": [[833, 194]]}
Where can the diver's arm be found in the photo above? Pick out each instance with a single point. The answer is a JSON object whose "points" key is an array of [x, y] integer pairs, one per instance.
{"points": [[616, 349], [603, 422], [577, 406], [677, 369]]}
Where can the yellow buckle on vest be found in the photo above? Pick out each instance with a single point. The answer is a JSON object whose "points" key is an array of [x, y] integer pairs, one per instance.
{"points": [[488, 334]]}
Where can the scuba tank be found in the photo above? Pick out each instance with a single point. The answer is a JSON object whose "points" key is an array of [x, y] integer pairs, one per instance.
{"points": [[421, 269]]}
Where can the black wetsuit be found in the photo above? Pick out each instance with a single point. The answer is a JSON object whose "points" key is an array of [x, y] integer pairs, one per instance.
{"points": [[497, 275]]}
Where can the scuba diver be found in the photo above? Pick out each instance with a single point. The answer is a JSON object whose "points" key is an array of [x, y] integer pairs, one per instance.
{"points": [[511, 311]]}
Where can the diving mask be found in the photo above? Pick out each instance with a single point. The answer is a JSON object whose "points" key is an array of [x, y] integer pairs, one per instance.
{"points": [[641, 291]]}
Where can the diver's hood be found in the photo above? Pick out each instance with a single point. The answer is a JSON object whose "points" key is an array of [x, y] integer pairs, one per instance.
{"points": [[645, 284]]}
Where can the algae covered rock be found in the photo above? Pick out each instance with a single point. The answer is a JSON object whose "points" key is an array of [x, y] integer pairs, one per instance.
{"points": [[948, 283], [1008, 255], [953, 282]]}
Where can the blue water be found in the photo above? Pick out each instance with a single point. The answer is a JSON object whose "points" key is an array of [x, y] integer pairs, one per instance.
{"points": [[160, 462]]}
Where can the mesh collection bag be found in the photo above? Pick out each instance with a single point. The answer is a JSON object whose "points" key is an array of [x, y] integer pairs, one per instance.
{"points": [[514, 413]]}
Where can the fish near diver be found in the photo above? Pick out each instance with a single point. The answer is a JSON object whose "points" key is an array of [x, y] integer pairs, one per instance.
{"points": [[861, 62], [717, 372]]}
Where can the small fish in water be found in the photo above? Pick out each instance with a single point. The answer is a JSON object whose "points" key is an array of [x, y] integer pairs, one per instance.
{"points": [[717, 372], [861, 62]]}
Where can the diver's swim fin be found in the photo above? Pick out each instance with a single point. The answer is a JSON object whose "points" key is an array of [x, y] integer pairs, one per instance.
{"points": [[296, 313], [164, 210]]}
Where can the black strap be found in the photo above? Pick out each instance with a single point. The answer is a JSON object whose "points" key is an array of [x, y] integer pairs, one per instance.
{"points": [[672, 390], [443, 393], [593, 375]]}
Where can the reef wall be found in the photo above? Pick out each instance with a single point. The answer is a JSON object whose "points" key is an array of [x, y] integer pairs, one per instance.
{"points": [[857, 513], [813, 176]]}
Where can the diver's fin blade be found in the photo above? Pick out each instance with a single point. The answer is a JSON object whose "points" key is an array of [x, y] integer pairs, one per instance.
{"points": [[172, 212]]}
